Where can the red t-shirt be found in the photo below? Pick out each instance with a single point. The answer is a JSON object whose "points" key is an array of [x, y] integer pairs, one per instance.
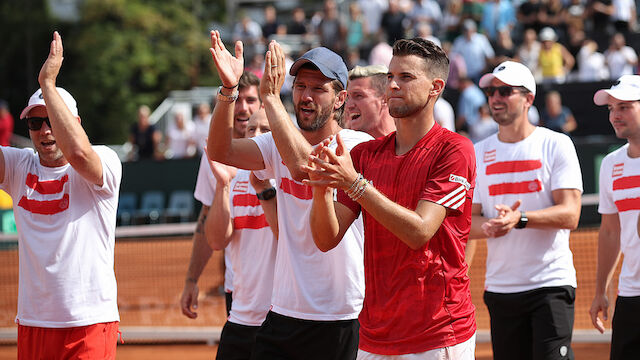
{"points": [[417, 300]]}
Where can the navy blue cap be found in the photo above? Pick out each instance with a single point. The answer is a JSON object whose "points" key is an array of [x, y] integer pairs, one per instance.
{"points": [[329, 63]]}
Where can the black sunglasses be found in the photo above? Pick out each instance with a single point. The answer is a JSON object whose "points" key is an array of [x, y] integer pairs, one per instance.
{"points": [[35, 123], [504, 91]]}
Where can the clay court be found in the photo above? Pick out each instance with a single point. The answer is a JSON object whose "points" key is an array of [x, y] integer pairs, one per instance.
{"points": [[150, 273]]}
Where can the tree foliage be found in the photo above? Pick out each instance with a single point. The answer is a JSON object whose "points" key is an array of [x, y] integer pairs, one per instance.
{"points": [[119, 55]]}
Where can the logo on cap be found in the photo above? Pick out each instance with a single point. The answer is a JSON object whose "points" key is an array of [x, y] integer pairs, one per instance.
{"points": [[40, 96], [501, 68], [616, 83]]}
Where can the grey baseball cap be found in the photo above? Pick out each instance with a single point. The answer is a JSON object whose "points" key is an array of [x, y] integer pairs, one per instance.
{"points": [[329, 63]]}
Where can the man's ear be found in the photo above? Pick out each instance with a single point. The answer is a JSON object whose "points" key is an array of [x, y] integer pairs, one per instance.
{"points": [[437, 87], [341, 97]]}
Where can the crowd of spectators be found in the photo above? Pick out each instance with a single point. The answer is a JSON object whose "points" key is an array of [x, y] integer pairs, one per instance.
{"points": [[558, 40]]}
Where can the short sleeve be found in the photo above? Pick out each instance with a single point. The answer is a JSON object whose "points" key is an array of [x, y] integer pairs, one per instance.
{"points": [[606, 204], [452, 178], [111, 170], [269, 152], [205, 183], [565, 172], [13, 158]]}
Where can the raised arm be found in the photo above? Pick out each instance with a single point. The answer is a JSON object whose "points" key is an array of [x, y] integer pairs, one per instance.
{"points": [[291, 144], [241, 153], [69, 134], [608, 255]]}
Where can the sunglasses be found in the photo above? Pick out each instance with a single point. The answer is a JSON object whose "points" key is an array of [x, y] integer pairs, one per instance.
{"points": [[35, 123], [504, 91]]}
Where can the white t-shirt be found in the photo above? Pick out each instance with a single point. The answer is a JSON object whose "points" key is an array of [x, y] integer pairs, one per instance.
{"points": [[443, 114], [310, 284], [181, 141], [66, 236], [204, 192], [529, 170], [253, 253], [620, 193], [620, 61]]}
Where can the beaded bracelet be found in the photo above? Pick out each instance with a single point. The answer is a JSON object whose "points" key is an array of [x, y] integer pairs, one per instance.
{"points": [[359, 192], [354, 184]]}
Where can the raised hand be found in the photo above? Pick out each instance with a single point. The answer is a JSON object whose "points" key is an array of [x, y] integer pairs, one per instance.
{"points": [[334, 169], [230, 67], [274, 71], [51, 67]]}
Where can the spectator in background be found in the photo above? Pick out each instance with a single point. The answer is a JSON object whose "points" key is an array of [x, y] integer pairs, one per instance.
{"points": [[354, 59], [6, 124], [624, 15], [505, 48], [271, 24], [576, 14], [425, 11], [250, 33], [451, 20], [485, 126], [529, 51], [556, 116], [528, 15], [393, 22], [592, 64], [553, 14], [555, 61], [372, 11], [144, 137], [469, 102], [474, 48], [357, 29], [180, 140], [497, 16], [601, 11], [620, 58], [366, 108], [331, 29], [201, 122], [382, 52], [298, 24], [457, 67], [424, 31]]}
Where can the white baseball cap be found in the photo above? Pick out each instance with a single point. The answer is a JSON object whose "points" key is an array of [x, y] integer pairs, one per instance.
{"points": [[627, 88], [511, 73], [38, 100]]}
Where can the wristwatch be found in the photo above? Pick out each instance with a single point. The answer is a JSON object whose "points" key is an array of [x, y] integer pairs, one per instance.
{"points": [[524, 220], [227, 98], [267, 194]]}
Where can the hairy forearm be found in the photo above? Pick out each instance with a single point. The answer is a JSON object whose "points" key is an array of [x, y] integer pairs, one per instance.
{"points": [[413, 229], [324, 223], [201, 251], [563, 216], [221, 132], [293, 147], [218, 226], [608, 255]]}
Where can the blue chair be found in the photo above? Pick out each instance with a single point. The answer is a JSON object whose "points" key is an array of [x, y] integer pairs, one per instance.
{"points": [[126, 208], [151, 207], [180, 206]]}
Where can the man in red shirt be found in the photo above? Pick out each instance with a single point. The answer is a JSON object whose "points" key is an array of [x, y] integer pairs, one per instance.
{"points": [[414, 188]]}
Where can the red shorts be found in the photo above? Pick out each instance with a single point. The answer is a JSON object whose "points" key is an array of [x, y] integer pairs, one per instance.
{"points": [[96, 341]]}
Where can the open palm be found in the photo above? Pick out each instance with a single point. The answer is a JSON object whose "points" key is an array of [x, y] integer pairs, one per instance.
{"points": [[229, 67]]}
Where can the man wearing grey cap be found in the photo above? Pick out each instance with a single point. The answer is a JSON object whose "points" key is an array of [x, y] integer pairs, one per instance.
{"points": [[65, 197], [620, 209], [527, 200], [317, 296], [366, 108]]}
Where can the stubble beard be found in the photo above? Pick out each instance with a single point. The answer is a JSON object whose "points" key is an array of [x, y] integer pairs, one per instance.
{"points": [[318, 122]]}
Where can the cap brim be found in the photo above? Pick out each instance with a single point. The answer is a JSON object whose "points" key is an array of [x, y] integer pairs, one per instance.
{"points": [[325, 71], [601, 97], [26, 110], [485, 80]]}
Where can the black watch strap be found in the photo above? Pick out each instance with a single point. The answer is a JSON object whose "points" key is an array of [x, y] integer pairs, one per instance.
{"points": [[267, 194], [524, 220]]}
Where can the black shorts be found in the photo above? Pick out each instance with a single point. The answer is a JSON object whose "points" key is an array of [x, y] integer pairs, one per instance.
{"points": [[236, 341], [283, 337], [625, 337], [534, 324]]}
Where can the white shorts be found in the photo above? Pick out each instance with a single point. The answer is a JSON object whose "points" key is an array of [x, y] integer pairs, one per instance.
{"points": [[463, 351]]}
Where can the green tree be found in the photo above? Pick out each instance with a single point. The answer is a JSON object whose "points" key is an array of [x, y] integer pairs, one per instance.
{"points": [[124, 53]]}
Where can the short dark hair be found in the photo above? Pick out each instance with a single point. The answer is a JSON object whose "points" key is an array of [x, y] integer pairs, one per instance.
{"points": [[436, 61], [248, 79]]}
